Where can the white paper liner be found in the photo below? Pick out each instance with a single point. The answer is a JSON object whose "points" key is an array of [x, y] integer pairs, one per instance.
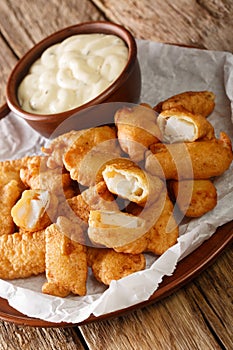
{"points": [[166, 70]]}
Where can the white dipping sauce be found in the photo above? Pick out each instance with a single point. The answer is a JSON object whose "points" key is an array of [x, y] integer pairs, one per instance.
{"points": [[72, 73]]}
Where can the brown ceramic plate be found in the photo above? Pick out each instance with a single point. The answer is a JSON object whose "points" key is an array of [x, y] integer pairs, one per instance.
{"points": [[186, 270]]}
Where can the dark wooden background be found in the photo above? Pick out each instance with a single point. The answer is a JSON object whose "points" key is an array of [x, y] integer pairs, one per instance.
{"points": [[198, 316]]}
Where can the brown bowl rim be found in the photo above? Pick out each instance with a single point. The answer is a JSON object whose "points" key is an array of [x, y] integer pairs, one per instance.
{"points": [[19, 71]]}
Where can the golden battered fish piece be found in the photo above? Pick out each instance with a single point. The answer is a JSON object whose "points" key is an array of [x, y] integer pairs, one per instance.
{"points": [[194, 197], [58, 147], [35, 210], [198, 160], [89, 152], [179, 125], [66, 264], [197, 102], [36, 175], [162, 230], [22, 254], [108, 265], [127, 180], [137, 130], [9, 194]]}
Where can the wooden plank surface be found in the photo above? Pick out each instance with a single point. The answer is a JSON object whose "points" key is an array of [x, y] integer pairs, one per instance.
{"points": [[199, 316], [24, 338], [7, 62], [203, 23]]}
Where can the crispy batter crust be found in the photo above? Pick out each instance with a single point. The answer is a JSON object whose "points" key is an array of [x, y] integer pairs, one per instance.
{"points": [[36, 175], [198, 160], [89, 151], [108, 265], [66, 264], [22, 254], [137, 130], [194, 197]]}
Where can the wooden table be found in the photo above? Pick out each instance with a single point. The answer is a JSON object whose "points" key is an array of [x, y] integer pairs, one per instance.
{"points": [[200, 314]]}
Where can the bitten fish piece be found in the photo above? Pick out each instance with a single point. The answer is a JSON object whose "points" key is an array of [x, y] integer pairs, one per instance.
{"points": [[34, 210], [108, 265], [22, 254], [126, 179], [179, 125], [137, 130], [89, 152], [194, 197], [197, 102], [66, 264], [198, 160]]}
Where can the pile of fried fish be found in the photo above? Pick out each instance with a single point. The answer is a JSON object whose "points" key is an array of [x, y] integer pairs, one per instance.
{"points": [[98, 199]]}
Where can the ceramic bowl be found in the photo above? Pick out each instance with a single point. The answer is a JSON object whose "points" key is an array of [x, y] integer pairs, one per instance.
{"points": [[126, 88]]}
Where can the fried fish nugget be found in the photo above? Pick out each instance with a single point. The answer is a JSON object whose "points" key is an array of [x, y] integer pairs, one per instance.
{"points": [[89, 151], [9, 194], [162, 232], [127, 180], [108, 265], [198, 160], [34, 210], [58, 147], [137, 130], [179, 125], [22, 254], [66, 264], [36, 175], [194, 197], [197, 102]]}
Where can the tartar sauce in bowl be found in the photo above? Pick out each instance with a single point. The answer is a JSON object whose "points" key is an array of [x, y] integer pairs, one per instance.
{"points": [[72, 72]]}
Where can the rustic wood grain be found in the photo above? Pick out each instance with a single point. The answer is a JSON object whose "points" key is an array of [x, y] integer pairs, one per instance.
{"points": [[175, 323], [31, 21], [24, 338], [213, 292], [203, 23], [7, 62]]}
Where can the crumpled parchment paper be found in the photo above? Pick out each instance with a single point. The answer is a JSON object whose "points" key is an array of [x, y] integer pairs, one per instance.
{"points": [[166, 70]]}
